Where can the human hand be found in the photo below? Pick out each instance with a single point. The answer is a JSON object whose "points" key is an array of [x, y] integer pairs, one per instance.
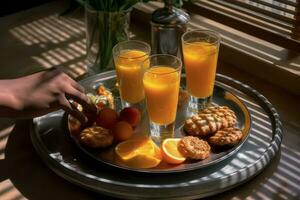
{"points": [[41, 93]]}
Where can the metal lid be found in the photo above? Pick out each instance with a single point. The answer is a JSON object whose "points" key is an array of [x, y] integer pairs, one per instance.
{"points": [[170, 16]]}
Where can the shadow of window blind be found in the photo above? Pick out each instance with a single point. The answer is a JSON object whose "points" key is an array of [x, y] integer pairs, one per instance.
{"points": [[278, 17]]}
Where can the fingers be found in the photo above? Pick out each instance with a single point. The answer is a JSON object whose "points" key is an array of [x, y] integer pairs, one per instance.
{"points": [[73, 83], [80, 98], [64, 103], [77, 86], [73, 90], [57, 71]]}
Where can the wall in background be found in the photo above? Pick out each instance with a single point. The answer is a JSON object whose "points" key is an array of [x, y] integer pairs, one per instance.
{"points": [[11, 7]]}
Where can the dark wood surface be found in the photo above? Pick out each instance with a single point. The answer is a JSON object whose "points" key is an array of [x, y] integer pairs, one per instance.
{"points": [[37, 39]]}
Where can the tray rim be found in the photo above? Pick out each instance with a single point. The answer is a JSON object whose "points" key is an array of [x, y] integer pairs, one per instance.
{"points": [[260, 164]]}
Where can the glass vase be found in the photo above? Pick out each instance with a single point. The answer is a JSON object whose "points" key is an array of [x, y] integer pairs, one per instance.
{"points": [[104, 30]]}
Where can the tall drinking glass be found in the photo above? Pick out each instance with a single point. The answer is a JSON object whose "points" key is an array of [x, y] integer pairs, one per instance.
{"points": [[200, 53], [161, 85], [128, 58]]}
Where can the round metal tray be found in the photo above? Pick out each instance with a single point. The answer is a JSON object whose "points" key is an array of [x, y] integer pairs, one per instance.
{"points": [[48, 134]]}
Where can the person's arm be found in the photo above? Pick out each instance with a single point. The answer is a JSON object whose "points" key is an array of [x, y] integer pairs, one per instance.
{"points": [[8, 101], [40, 93]]}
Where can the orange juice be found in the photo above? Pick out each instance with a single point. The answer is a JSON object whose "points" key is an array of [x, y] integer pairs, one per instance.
{"points": [[200, 59], [161, 85], [130, 75]]}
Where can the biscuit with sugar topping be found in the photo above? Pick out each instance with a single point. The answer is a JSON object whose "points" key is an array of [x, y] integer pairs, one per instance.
{"points": [[194, 148]]}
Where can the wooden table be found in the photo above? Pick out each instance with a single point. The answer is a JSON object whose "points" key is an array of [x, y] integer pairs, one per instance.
{"points": [[37, 39]]}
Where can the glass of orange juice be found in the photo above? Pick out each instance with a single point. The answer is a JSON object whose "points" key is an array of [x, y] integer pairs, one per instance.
{"points": [[200, 54], [128, 57], [161, 85]]}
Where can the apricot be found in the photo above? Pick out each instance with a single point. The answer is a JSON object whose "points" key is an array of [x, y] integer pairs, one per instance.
{"points": [[131, 115], [122, 131], [107, 117]]}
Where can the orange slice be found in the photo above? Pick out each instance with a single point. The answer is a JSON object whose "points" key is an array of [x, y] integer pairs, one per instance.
{"points": [[138, 153], [170, 151]]}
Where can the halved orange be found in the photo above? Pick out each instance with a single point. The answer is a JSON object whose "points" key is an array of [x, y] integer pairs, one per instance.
{"points": [[138, 153], [170, 151]]}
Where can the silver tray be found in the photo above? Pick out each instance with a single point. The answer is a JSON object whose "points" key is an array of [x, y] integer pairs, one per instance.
{"points": [[220, 97], [52, 143]]}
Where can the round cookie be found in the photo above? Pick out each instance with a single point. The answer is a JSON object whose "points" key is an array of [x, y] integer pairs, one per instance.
{"points": [[96, 137], [227, 115], [227, 136], [209, 121], [194, 148], [202, 125]]}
